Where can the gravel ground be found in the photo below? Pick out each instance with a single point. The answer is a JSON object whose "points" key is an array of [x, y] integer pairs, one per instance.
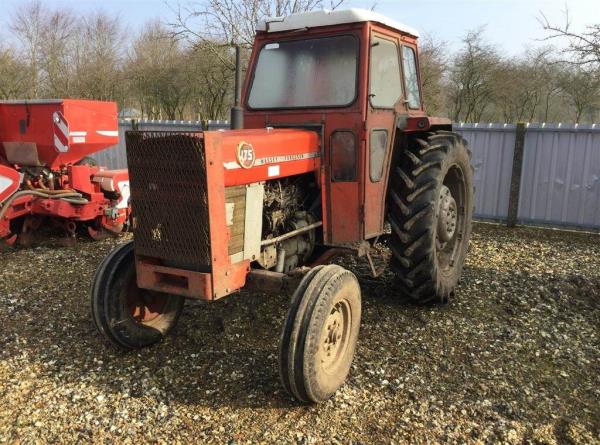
{"points": [[515, 357]]}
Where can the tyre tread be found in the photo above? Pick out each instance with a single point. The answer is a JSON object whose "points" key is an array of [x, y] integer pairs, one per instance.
{"points": [[411, 212]]}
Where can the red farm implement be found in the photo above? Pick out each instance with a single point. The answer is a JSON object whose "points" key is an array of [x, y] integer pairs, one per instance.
{"points": [[46, 176]]}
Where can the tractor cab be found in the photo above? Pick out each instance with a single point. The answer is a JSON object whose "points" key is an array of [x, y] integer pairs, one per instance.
{"points": [[353, 77]]}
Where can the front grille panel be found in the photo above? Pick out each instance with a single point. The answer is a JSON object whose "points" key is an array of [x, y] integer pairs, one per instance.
{"points": [[169, 197]]}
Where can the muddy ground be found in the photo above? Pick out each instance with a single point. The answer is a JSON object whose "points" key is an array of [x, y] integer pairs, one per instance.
{"points": [[514, 358]]}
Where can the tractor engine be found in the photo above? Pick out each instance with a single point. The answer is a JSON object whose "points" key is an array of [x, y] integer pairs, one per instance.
{"points": [[289, 205]]}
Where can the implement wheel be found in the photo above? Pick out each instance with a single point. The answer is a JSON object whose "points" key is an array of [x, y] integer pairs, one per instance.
{"points": [[319, 334], [130, 317], [430, 210]]}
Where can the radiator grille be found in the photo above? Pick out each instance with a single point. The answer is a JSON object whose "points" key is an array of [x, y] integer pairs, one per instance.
{"points": [[167, 173]]}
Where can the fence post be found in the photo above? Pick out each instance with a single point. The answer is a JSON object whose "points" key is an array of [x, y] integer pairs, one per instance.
{"points": [[515, 180]]}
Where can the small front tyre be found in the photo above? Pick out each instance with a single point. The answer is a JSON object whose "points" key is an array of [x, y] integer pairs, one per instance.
{"points": [[320, 333], [130, 317]]}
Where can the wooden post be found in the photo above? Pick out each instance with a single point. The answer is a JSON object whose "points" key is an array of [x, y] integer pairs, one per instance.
{"points": [[515, 181]]}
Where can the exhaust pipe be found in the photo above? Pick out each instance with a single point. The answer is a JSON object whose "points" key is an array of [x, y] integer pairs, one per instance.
{"points": [[237, 113]]}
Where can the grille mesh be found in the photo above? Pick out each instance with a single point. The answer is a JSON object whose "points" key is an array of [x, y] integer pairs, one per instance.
{"points": [[167, 173]]}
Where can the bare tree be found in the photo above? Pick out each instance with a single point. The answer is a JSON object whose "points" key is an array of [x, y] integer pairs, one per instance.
{"points": [[28, 26], [433, 59], [58, 33], [169, 80], [155, 72], [213, 26], [212, 83], [186, 71], [98, 58], [471, 78], [581, 85], [581, 88], [46, 38], [521, 85], [583, 46], [13, 75], [235, 20], [550, 76]]}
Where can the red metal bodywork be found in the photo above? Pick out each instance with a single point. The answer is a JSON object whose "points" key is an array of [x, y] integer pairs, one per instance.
{"points": [[293, 151], [279, 153], [352, 211], [51, 136], [9, 181], [30, 126]]}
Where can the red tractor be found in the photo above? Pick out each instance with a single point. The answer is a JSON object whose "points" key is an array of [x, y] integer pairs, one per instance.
{"points": [[45, 173], [335, 142]]}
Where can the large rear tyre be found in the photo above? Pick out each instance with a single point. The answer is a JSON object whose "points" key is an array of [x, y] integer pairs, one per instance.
{"points": [[430, 210], [319, 334], [130, 317]]}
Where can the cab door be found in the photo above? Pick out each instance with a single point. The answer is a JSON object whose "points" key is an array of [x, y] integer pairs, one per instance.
{"points": [[386, 101]]}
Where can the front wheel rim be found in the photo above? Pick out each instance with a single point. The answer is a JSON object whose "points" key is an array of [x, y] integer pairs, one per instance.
{"points": [[142, 305], [335, 336]]}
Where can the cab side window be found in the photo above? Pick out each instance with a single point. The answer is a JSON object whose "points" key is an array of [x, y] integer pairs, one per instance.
{"points": [[378, 144], [344, 156], [385, 85], [411, 77]]}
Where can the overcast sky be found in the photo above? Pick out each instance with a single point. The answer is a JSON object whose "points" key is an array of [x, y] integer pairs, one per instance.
{"points": [[510, 24]]}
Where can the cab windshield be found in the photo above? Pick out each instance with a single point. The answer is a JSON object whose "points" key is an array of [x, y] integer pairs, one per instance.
{"points": [[317, 72]]}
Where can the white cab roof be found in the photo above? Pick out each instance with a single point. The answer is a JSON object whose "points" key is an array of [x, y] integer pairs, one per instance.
{"points": [[326, 18]]}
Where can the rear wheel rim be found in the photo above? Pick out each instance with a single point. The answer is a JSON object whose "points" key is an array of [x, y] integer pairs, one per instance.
{"points": [[451, 213]]}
